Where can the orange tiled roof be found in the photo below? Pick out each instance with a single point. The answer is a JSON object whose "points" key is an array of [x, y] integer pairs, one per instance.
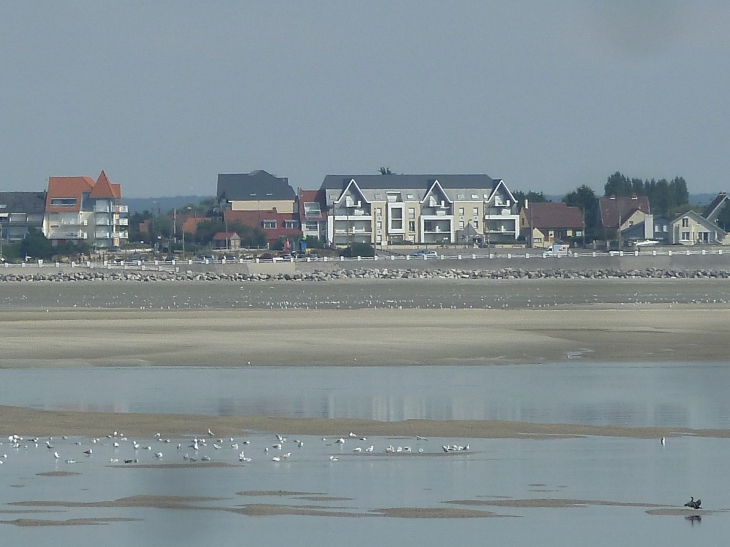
{"points": [[67, 187], [191, 224], [103, 189]]}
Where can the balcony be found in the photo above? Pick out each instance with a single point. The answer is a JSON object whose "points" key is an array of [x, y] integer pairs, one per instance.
{"points": [[120, 235], [60, 234], [121, 209], [102, 221], [123, 222]]}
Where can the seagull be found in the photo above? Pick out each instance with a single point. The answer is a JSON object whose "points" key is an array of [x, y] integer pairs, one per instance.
{"points": [[210, 433], [88, 452], [663, 441], [276, 459], [334, 458], [358, 449], [70, 461], [55, 455], [352, 434], [340, 441], [300, 444], [158, 455], [285, 456], [370, 448], [277, 446]]}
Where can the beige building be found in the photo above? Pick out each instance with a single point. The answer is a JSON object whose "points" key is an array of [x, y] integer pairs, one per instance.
{"points": [[693, 229], [428, 209]]}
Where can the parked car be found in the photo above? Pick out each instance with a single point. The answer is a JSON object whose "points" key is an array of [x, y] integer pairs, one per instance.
{"points": [[425, 253], [266, 257]]}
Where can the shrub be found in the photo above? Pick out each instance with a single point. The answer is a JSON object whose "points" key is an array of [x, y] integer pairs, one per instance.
{"points": [[359, 249]]}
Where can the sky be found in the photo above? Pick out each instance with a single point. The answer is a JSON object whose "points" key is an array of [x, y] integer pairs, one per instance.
{"points": [[548, 96]]}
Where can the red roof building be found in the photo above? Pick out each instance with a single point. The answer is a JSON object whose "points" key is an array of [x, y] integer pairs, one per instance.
{"points": [[275, 225], [79, 209], [543, 224]]}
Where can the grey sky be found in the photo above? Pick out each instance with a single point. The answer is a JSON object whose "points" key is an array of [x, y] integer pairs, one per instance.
{"points": [[548, 95]]}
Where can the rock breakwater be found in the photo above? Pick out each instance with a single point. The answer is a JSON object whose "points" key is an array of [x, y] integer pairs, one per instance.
{"points": [[362, 273]]}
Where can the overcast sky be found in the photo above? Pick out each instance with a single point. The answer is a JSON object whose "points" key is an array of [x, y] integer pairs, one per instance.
{"points": [[547, 95]]}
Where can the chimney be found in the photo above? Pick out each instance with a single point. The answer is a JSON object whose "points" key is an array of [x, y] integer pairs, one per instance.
{"points": [[527, 204], [634, 196]]}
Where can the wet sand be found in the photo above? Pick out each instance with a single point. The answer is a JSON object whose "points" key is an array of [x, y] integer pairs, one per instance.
{"points": [[373, 337]]}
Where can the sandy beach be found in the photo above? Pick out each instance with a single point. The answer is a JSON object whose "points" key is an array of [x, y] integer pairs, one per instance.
{"points": [[362, 337]]}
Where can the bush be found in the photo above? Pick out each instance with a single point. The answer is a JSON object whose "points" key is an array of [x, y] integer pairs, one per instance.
{"points": [[359, 249]]}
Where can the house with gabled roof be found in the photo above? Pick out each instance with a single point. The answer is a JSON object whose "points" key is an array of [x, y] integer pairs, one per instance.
{"points": [[713, 210], [621, 212], [19, 212], [79, 209], [543, 224], [383, 209], [691, 228]]}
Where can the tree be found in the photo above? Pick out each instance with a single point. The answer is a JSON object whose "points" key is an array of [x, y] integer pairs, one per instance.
{"points": [[585, 198], [532, 197], [665, 197], [36, 245], [385, 171]]}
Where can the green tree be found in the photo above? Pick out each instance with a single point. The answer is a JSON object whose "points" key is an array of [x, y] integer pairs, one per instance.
{"points": [[585, 198], [532, 197], [723, 219], [385, 171], [36, 245]]}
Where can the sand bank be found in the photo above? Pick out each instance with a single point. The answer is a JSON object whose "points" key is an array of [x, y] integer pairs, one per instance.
{"points": [[29, 422], [362, 337]]}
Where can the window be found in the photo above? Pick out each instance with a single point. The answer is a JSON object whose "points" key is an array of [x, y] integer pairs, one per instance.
{"points": [[411, 225], [411, 212], [269, 224], [311, 226], [290, 224], [461, 211], [685, 236], [379, 224], [312, 209], [410, 196], [476, 224], [476, 212], [475, 196], [685, 223], [459, 196], [63, 202], [378, 211], [461, 224]]}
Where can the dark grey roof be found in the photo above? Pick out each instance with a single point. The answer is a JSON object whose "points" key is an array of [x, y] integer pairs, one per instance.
{"points": [[254, 186], [384, 182], [22, 202], [714, 208]]}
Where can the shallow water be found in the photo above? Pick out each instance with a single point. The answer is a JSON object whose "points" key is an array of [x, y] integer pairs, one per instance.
{"points": [[594, 468], [627, 394]]}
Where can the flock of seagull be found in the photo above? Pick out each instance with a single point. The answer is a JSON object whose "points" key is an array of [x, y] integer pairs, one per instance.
{"points": [[199, 447]]}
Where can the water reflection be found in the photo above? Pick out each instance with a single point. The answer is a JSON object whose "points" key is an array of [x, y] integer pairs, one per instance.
{"points": [[634, 395]]}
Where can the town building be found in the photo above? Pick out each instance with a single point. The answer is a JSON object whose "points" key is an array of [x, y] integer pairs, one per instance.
{"points": [[621, 212], [691, 228], [227, 240], [544, 224], [312, 214], [430, 209], [260, 200], [79, 209], [19, 212]]}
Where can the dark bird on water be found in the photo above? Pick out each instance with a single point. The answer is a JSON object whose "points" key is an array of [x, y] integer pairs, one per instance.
{"points": [[692, 503]]}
